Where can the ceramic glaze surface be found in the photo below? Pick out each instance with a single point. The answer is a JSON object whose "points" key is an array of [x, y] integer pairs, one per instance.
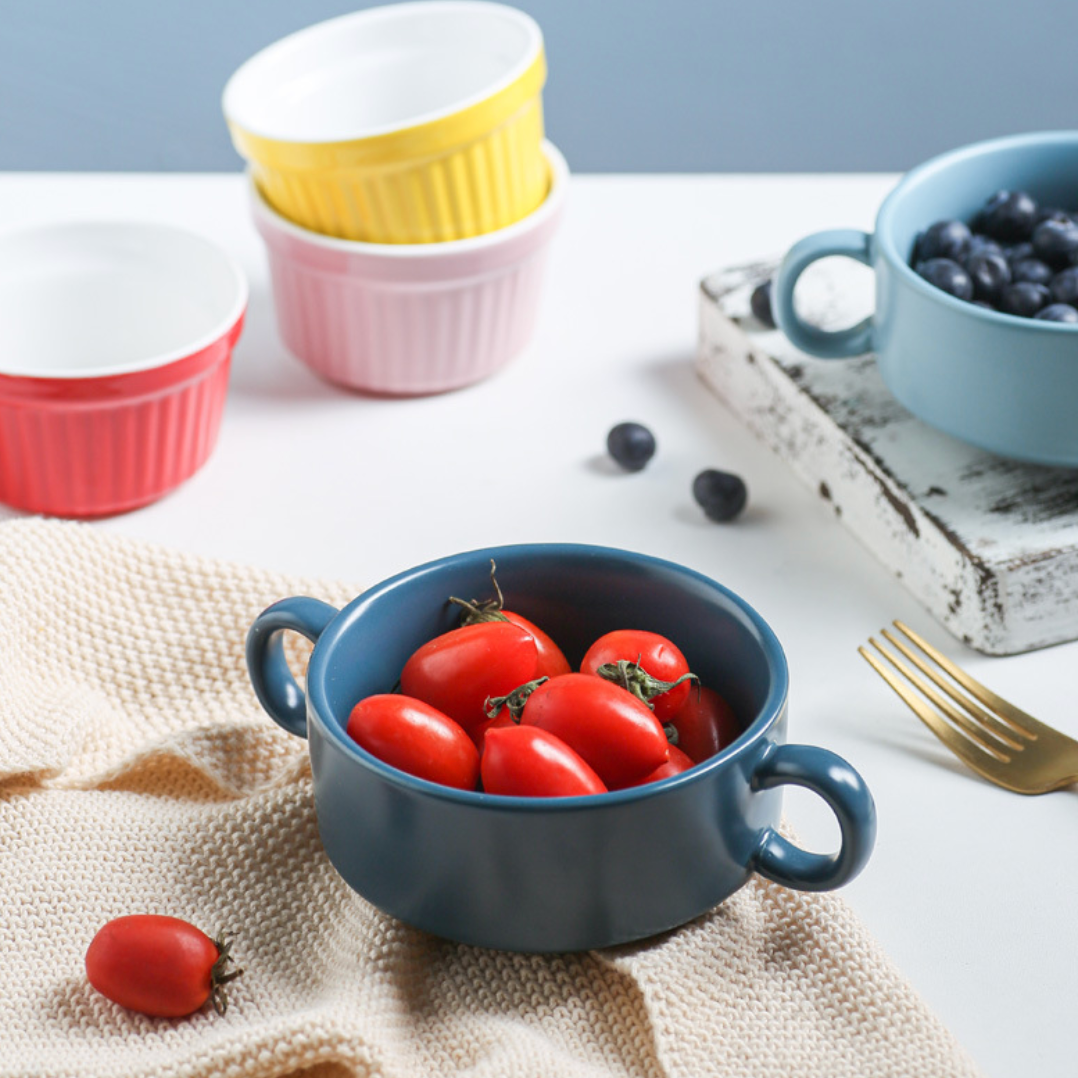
{"points": [[1006, 384], [533, 874]]}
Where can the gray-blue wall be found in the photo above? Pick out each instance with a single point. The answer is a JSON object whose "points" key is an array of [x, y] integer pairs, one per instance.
{"points": [[687, 85]]}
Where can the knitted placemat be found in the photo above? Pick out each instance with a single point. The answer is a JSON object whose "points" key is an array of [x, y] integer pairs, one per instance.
{"points": [[139, 774]]}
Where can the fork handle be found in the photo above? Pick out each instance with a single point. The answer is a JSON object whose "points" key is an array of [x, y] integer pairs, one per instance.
{"points": [[828, 775]]}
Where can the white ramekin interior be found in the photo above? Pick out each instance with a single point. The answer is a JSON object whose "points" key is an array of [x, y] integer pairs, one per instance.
{"points": [[100, 298], [380, 70]]}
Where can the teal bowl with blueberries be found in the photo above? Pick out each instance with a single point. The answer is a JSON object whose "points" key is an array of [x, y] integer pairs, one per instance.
{"points": [[975, 328]]}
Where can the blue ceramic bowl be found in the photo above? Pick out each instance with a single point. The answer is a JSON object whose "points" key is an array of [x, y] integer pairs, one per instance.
{"points": [[555, 874], [1006, 384]]}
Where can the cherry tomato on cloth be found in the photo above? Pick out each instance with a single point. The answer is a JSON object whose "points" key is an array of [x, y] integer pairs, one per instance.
{"points": [[705, 724], [457, 671], [529, 762], [657, 655], [158, 965], [415, 737], [609, 727], [677, 763]]}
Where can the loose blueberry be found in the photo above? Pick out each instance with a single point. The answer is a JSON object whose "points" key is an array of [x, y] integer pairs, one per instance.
{"points": [[1032, 270], [761, 304], [1058, 312], [632, 445], [944, 239], [1008, 216], [721, 495], [1064, 287], [947, 275], [989, 273], [1055, 241], [1024, 299]]}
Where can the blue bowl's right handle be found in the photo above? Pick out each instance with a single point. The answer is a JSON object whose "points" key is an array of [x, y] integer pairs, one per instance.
{"points": [[844, 790], [825, 344], [274, 685]]}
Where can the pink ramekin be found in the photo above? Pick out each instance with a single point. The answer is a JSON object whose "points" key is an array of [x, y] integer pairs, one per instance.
{"points": [[410, 319], [114, 363]]}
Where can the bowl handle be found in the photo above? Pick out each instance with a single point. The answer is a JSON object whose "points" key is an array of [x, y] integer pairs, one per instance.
{"points": [[844, 790], [274, 685], [823, 343]]}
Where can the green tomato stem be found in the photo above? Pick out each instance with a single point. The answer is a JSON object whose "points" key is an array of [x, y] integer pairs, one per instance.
{"points": [[513, 701], [634, 678]]}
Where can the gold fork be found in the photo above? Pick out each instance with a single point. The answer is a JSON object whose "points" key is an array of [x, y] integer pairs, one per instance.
{"points": [[1004, 744]]}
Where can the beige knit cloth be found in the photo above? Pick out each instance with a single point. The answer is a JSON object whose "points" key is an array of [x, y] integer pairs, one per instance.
{"points": [[138, 774]]}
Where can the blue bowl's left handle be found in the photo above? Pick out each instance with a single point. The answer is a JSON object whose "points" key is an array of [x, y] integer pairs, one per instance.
{"points": [[823, 343], [844, 790], [274, 685]]}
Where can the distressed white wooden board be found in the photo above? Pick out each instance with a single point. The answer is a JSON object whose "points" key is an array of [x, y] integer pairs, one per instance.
{"points": [[989, 546]]}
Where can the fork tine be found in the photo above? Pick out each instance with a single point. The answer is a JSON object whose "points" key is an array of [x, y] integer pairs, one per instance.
{"points": [[991, 767], [964, 727], [990, 723], [1021, 722]]}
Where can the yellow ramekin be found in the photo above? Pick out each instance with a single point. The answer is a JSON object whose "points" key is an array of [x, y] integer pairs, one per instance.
{"points": [[412, 123]]}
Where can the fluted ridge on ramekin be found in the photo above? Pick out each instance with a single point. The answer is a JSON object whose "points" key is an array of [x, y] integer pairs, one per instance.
{"points": [[404, 339], [79, 459], [481, 187]]}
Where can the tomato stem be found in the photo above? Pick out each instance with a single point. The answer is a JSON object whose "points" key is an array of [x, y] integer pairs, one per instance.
{"points": [[671, 733], [219, 976], [477, 611], [633, 677], [513, 701]]}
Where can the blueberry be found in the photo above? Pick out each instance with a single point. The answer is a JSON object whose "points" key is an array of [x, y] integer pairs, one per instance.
{"points": [[1064, 287], [1019, 252], [1024, 299], [1048, 212], [1056, 241], [944, 239], [948, 275], [721, 495], [989, 273], [979, 244], [761, 304], [632, 445], [1032, 270], [1058, 312], [1008, 216]]}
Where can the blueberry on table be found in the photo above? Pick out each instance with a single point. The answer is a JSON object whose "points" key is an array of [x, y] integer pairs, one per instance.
{"points": [[944, 239], [948, 276], [1058, 312], [631, 445], [1055, 241], [989, 273], [1008, 216], [1064, 287], [761, 304], [721, 495], [1024, 299], [1032, 270]]}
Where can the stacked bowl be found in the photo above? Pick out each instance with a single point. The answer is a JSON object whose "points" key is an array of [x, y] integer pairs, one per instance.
{"points": [[400, 179]]}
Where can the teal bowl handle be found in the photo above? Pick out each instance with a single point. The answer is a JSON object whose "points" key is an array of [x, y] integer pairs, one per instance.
{"points": [[844, 790], [825, 344], [274, 685]]}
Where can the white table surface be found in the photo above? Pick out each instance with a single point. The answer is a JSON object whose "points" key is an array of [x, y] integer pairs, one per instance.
{"points": [[971, 889]]}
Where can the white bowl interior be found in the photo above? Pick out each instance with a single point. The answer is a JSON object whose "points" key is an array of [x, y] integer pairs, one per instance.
{"points": [[380, 70], [98, 298]]}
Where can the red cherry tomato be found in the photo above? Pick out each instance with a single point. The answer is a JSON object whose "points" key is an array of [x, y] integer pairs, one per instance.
{"points": [[660, 657], [609, 727], [705, 724], [552, 661], [503, 719], [529, 762], [677, 763], [457, 671], [415, 737], [157, 965]]}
